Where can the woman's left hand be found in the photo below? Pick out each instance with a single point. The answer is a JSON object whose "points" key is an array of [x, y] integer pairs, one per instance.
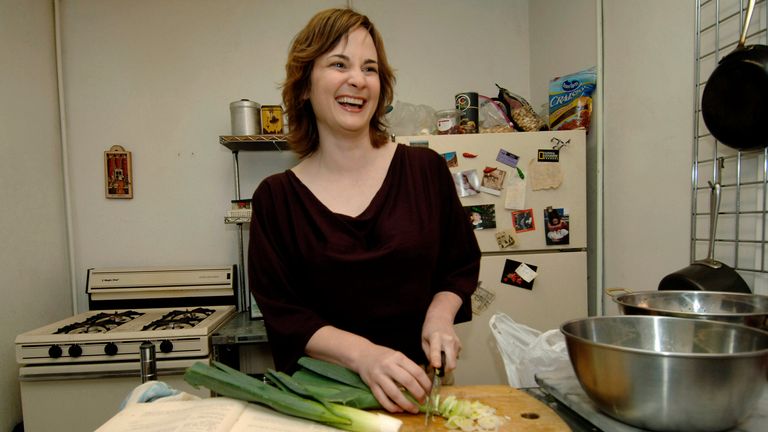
{"points": [[438, 333]]}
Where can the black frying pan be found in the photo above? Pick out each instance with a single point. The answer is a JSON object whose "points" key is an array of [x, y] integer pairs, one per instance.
{"points": [[734, 101], [708, 274]]}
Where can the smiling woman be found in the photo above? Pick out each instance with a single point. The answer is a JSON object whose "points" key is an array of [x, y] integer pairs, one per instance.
{"points": [[360, 255], [315, 41]]}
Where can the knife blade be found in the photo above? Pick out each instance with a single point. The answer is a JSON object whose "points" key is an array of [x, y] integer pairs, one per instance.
{"points": [[436, 380]]}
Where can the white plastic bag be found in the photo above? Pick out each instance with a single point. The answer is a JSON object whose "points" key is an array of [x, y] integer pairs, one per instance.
{"points": [[527, 351]]}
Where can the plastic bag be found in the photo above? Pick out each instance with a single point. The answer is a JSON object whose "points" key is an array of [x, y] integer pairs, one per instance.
{"points": [[493, 119], [527, 351], [570, 100], [409, 119]]}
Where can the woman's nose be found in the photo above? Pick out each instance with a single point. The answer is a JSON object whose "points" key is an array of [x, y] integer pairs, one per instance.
{"points": [[356, 78]]}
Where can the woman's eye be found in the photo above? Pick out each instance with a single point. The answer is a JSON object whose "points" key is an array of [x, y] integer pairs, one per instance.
{"points": [[338, 65]]}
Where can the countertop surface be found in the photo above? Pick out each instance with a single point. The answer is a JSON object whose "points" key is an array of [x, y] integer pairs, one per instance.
{"points": [[241, 329]]}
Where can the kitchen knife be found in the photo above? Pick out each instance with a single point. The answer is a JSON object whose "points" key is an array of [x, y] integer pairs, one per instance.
{"points": [[436, 380]]}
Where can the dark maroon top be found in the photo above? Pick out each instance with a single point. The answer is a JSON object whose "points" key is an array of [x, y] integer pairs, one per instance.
{"points": [[373, 275]]}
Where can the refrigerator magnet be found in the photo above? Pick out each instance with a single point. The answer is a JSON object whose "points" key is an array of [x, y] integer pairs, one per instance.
{"points": [[481, 216], [506, 239], [507, 158], [511, 274], [556, 221], [493, 180], [523, 221], [467, 183], [451, 159]]}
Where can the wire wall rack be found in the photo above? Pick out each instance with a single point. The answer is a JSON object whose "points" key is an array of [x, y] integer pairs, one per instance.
{"points": [[741, 240]]}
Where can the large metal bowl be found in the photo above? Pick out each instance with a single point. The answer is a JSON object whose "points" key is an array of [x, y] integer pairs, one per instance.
{"points": [[738, 308], [667, 373]]}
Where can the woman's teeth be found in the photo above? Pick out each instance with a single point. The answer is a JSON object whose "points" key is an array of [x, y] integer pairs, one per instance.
{"points": [[350, 101]]}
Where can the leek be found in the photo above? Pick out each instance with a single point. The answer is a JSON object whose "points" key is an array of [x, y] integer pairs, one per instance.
{"points": [[288, 397]]}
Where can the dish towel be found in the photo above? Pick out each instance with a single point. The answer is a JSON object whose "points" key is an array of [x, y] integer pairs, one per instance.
{"points": [[155, 391]]}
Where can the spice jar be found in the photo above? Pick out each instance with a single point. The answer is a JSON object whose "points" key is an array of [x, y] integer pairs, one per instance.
{"points": [[447, 121]]}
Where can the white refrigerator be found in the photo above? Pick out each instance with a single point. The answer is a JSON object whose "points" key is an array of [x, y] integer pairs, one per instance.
{"points": [[525, 193]]}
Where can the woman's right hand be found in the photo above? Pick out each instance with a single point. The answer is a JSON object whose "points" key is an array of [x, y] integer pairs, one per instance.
{"points": [[388, 372]]}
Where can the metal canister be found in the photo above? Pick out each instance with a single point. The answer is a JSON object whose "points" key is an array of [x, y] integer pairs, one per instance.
{"points": [[245, 117], [467, 104]]}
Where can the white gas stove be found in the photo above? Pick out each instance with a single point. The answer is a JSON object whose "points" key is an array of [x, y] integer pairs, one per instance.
{"points": [[116, 335], [97, 354]]}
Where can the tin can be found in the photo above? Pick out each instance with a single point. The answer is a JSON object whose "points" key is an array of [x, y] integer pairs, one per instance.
{"points": [[271, 119], [467, 104], [244, 117]]}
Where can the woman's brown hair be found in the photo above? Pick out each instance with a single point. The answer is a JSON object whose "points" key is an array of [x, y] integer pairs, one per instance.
{"points": [[321, 34]]}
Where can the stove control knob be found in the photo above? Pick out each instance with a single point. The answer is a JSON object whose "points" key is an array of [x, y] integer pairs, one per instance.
{"points": [[75, 351], [54, 351], [110, 349], [166, 346]]}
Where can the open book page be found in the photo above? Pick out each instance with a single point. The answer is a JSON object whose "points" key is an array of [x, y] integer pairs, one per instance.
{"points": [[258, 418], [205, 415]]}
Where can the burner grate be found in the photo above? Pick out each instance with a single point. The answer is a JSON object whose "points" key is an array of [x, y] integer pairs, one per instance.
{"points": [[99, 323], [179, 319]]}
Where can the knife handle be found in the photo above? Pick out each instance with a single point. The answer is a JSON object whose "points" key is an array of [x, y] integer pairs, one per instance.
{"points": [[441, 370]]}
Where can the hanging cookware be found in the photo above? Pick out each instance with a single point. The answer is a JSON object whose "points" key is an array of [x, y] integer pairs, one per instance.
{"points": [[738, 308], [733, 103], [708, 274]]}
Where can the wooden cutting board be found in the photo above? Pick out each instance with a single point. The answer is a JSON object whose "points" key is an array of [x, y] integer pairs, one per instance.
{"points": [[522, 411]]}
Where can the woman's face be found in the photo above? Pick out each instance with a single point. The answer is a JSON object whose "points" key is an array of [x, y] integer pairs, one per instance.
{"points": [[344, 87]]}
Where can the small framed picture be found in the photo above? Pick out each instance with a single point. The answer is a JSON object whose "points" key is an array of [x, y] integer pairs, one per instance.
{"points": [[118, 180], [523, 221]]}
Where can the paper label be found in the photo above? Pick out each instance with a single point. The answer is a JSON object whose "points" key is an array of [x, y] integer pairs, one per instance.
{"points": [[526, 272]]}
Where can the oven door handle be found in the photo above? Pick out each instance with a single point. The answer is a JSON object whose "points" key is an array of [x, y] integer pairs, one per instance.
{"points": [[66, 376]]}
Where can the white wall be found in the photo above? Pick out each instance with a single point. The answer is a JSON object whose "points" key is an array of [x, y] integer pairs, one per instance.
{"points": [[34, 279], [648, 118], [158, 77]]}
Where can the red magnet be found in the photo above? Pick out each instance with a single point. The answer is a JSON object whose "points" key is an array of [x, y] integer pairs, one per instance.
{"points": [[469, 155]]}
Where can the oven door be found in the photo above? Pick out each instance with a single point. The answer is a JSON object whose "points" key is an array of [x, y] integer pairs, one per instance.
{"points": [[84, 396]]}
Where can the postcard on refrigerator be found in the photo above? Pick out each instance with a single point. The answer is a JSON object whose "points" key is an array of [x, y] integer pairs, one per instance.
{"points": [[481, 216], [493, 180], [467, 183]]}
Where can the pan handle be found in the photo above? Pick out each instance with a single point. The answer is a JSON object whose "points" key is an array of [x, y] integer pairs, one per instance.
{"points": [[614, 292], [714, 210], [745, 27]]}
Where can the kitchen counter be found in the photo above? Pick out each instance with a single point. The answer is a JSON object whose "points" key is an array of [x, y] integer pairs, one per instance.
{"points": [[240, 330], [241, 343]]}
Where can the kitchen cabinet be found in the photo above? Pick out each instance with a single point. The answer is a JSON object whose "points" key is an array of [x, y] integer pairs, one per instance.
{"points": [[236, 144]]}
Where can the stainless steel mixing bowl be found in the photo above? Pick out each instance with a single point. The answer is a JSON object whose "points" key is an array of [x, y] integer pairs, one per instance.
{"points": [[667, 373], [738, 308]]}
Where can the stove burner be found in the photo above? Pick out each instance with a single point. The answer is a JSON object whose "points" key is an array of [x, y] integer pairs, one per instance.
{"points": [[99, 323], [179, 319]]}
